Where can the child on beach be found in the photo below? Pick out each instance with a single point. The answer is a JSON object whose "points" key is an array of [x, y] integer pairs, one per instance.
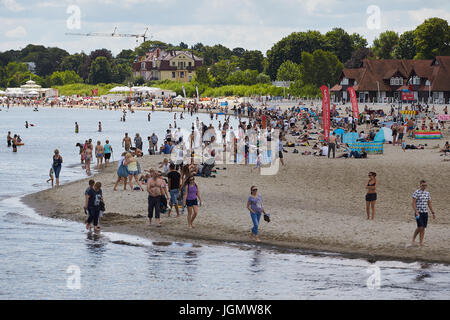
{"points": [[51, 176], [258, 163]]}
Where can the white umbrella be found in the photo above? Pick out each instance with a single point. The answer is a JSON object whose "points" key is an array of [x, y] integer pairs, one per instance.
{"points": [[32, 93], [179, 98], [2, 92]]}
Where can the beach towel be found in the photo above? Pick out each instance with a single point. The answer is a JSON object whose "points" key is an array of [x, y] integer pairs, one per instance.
{"points": [[422, 135], [370, 147]]}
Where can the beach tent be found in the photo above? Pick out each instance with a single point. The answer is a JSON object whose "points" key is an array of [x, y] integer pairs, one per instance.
{"points": [[384, 135], [120, 89], [179, 97], [350, 137], [339, 132], [2, 92]]}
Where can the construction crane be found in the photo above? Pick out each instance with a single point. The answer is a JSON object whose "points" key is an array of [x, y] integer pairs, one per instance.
{"points": [[113, 34]]}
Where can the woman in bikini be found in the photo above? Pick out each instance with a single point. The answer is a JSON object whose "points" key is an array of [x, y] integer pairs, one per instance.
{"points": [[88, 158], [99, 152], [371, 196]]}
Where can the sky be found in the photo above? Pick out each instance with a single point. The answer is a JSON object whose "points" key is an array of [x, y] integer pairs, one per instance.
{"points": [[250, 24]]}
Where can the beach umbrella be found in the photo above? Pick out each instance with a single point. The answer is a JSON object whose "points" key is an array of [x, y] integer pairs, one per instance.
{"points": [[2, 92]]}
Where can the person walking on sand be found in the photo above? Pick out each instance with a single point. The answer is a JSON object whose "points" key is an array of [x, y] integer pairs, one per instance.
{"points": [[126, 142], [420, 203], [132, 167], [122, 172], [255, 206], [92, 205], [192, 200], [99, 151], [371, 196], [57, 164], [174, 178], [108, 150], [155, 190]]}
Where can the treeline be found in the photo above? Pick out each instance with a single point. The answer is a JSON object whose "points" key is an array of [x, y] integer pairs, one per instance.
{"points": [[308, 59]]}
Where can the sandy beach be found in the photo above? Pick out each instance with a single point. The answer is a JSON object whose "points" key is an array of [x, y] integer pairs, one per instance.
{"points": [[315, 204]]}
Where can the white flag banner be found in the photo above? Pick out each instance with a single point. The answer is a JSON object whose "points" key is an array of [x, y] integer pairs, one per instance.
{"points": [[184, 92]]}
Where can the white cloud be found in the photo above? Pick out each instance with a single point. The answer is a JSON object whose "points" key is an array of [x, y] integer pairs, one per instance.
{"points": [[12, 5], [16, 32], [422, 14]]}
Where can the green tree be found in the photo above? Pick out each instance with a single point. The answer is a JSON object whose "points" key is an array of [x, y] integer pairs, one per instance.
{"points": [[291, 48], [202, 76], [100, 71], [214, 54], [405, 48], [289, 71], [432, 38], [383, 46], [148, 46], [121, 72], [252, 60], [238, 52], [59, 78], [358, 41], [221, 71], [358, 57], [263, 78], [320, 68], [340, 43]]}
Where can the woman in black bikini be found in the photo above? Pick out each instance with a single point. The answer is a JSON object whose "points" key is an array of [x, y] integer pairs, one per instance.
{"points": [[371, 196]]}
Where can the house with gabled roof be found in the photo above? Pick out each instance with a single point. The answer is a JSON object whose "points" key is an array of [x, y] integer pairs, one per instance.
{"points": [[427, 81], [159, 64]]}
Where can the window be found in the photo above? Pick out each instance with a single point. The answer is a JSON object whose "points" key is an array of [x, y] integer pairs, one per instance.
{"points": [[190, 64], [173, 75], [396, 81], [427, 83], [416, 80], [182, 74], [142, 65], [344, 82]]}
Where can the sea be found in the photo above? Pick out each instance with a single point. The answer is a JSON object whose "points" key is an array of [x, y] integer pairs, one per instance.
{"points": [[46, 258]]}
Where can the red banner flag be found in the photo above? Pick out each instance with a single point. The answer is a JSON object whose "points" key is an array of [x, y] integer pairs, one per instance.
{"points": [[95, 91], [407, 96], [326, 111], [354, 101]]}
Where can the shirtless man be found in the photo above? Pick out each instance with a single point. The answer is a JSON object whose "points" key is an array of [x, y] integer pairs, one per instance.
{"points": [[155, 190], [126, 142], [332, 145], [88, 158]]}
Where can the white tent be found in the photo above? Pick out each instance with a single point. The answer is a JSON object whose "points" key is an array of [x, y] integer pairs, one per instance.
{"points": [[2, 92], [120, 89], [32, 93], [387, 134], [179, 98]]}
